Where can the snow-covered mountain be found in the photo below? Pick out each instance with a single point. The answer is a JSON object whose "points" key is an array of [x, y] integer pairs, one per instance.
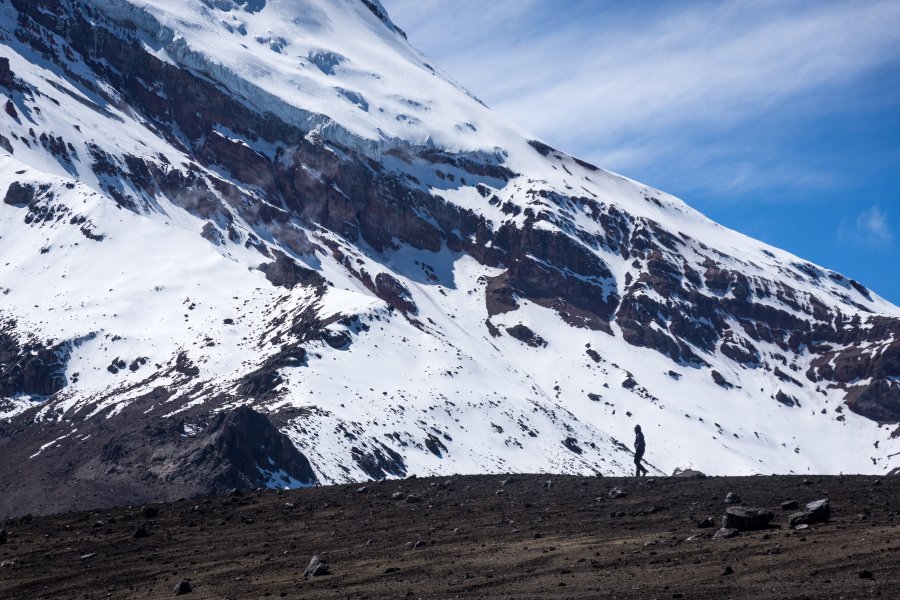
{"points": [[282, 204]]}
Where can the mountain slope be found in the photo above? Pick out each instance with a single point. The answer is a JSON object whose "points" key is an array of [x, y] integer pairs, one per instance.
{"points": [[215, 203]]}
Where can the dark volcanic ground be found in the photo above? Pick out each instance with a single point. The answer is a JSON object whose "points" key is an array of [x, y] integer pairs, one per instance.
{"points": [[470, 537]]}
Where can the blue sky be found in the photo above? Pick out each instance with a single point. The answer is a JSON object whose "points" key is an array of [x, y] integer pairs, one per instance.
{"points": [[780, 119]]}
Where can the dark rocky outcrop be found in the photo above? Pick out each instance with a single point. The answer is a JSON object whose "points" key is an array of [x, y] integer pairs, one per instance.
{"points": [[7, 79], [286, 272], [239, 449], [379, 462], [20, 194], [394, 293], [31, 368], [524, 334]]}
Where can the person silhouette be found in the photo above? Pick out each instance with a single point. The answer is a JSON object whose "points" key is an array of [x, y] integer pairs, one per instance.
{"points": [[639, 447]]}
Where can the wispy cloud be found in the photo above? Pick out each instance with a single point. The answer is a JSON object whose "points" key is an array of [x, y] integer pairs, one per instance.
{"points": [[871, 229], [631, 84]]}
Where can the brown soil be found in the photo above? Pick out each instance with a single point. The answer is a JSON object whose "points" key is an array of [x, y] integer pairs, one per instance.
{"points": [[470, 537]]}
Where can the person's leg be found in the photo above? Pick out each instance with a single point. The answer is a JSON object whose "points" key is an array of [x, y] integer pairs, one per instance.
{"points": [[637, 465]]}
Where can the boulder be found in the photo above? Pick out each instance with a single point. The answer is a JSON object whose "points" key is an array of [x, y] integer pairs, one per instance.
{"points": [[815, 512], [744, 518]]}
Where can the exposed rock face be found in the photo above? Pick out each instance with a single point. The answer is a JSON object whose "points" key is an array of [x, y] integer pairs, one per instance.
{"points": [[7, 79], [285, 272], [238, 449], [394, 293], [19, 194], [31, 369]]}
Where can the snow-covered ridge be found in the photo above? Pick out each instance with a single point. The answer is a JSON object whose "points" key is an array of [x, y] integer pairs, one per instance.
{"points": [[273, 61]]}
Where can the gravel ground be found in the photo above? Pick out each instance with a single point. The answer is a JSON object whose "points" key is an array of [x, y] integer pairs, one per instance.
{"points": [[516, 536]]}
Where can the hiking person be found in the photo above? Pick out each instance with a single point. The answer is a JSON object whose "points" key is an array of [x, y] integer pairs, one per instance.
{"points": [[639, 447]]}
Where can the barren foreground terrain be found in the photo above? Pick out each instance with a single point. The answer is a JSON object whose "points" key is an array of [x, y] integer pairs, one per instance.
{"points": [[519, 536]]}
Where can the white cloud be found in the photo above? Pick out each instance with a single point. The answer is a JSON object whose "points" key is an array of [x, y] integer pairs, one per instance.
{"points": [[605, 80], [871, 229]]}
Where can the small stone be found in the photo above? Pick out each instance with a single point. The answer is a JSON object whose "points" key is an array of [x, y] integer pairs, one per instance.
{"points": [[362, 490], [732, 498], [617, 493], [149, 512], [707, 522], [140, 532], [88, 556], [183, 587], [413, 499], [548, 484], [316, 567], [397, 496], [728, 571], [865, 574], [790, 505]]}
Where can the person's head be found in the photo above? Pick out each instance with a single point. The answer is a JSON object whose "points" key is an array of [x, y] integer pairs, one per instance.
{"points": [[637, 428]]}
